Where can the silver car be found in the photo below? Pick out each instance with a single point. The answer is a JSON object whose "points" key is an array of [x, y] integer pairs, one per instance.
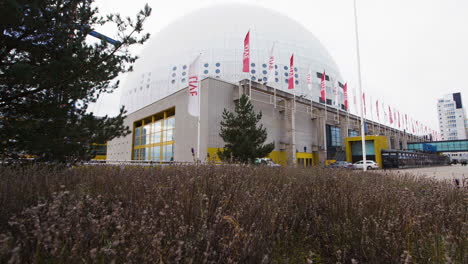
{"points": [[370, 164], [341, 165]]}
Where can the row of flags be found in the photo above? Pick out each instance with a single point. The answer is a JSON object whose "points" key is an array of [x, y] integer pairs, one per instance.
{"points": [[291, 76], [394, 118]]}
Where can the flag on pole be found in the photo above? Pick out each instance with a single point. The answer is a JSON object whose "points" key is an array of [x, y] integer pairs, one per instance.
{"points": [[355, 101], [345, 91], [271, 65], [194, 87], [309, 78], [385, 113], [291, 73], [399, 119], [364, 103], [406, 122], [246, 55], [335, 92], [377, 109], [390, 114], [323, 91]]}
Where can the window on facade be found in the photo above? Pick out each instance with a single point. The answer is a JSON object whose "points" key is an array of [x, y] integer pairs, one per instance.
{"points": [[334, 136], [156, 153], [168, 153], [154, 137], [353, 133]]}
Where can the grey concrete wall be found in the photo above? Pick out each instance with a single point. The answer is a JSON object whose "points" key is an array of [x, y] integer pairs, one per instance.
{"points": [[185, 133], [217, 95]]}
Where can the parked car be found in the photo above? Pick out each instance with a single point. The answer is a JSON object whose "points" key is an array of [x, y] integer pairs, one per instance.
{"points": [[370, 164], [341, 165], [266, 162]]}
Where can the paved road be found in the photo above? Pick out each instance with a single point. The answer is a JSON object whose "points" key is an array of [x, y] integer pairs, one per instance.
{"points": [[441, 173]]}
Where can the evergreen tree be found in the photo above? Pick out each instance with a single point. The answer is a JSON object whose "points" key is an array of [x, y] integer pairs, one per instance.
{"points": [[50, 71], [244, 139]]}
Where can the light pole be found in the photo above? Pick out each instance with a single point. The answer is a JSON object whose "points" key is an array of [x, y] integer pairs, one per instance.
{"points": [[363, 136]]}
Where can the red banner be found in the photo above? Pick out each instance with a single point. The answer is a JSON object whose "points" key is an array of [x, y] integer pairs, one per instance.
{"points": [[390, 115], [345, 91], [398, 119], [291, 73], [246, 56], [322, 88]]}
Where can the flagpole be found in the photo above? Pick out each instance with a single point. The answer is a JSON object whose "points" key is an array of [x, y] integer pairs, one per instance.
{"points": [[194, 104], [291, 85], [250, 86], [271, 71], [274, 97], [335, 89], [363, 136], [372, 114], [325, 119], [347, 109], [199, 115], [325, 128], [250, 62], [293, 125], [347, 121], [378, 114]]}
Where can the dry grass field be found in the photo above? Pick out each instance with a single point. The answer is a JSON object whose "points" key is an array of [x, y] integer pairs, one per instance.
{"points": [[227, 214]]}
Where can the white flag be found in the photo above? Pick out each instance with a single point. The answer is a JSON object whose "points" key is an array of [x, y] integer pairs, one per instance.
{"points": [[194, 87], [309, 78], [385, 113], [355, 101], [271, 65], [335, 92]]}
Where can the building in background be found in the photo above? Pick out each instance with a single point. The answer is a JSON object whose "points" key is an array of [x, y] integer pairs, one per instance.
{"points": [[453, 123], [164, 131], [452, 117], [466, 126], [156, 93]]}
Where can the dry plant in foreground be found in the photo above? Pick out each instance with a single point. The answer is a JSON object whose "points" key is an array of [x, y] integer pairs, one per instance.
{"points": [[227, 214]]}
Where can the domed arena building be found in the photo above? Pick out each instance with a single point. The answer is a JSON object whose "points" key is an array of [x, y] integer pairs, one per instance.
{"points": [[305, 130]]}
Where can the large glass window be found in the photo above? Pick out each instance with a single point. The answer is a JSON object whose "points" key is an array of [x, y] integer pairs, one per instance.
{"points": [[154, 137], [144, 154], [457, 145], [168, 152], [137, 136], [156, 153], [169, 135], [334, 136]]}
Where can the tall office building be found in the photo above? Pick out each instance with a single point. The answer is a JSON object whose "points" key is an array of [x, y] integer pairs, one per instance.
{"points": [[452, 117]]}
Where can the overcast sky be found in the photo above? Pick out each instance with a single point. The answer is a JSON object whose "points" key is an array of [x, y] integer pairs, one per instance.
{"points": [[412, 51]]}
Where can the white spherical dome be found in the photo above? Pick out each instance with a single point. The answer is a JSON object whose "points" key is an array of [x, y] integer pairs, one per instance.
{"points": [[218, 33]]}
